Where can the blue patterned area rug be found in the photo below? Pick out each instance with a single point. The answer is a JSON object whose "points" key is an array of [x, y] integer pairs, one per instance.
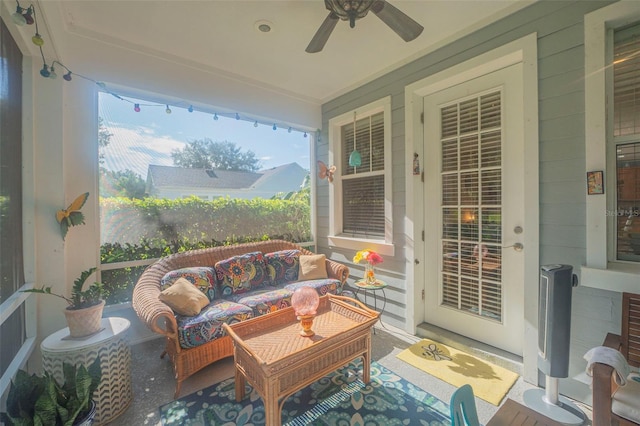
{"points": [[339, 399]]}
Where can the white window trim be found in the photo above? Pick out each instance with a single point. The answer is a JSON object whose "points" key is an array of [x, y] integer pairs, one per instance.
{"points": [[383, 246], [600, 270]]}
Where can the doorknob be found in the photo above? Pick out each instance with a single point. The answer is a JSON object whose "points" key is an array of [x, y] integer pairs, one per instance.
{"points": [[516, 246]]}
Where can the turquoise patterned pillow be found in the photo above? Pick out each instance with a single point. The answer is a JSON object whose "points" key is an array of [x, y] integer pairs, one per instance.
{"points": [[202, 277], [283, 266], [240, 274]]}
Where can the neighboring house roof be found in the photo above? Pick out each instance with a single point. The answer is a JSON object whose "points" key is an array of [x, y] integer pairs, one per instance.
{"points": [[168, 176], [200, 178]]}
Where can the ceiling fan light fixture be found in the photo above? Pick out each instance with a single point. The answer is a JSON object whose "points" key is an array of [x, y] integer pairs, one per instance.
{"points": [[349, 10]]}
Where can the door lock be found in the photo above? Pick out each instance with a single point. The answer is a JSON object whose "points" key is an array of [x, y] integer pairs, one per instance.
{"points": [[516, 246]]}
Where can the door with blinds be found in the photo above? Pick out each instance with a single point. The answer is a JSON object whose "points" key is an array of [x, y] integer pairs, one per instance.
{"points": [[474, 209]]}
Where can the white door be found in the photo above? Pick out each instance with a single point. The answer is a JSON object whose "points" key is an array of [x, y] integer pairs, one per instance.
{"points": [[474, 208]]}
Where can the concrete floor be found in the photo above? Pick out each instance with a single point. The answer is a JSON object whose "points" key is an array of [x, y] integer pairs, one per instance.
{"points": [[153, 383]]}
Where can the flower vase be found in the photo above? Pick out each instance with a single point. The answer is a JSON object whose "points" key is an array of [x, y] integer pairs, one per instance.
{"points": [[369, 274]]}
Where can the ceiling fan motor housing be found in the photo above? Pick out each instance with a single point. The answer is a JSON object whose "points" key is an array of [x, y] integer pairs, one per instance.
{"points": [[349, 10]]}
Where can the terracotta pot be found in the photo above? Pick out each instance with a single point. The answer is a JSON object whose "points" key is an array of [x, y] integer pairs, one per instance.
{"points": [[86, 321]]}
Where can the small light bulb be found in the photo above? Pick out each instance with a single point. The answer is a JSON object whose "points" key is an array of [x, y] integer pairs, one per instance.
{"points": [[274, 126], [215, 117], [237, 116], [136, 107], [168, 110], [190, 109], [67, 76], [18, 18], [255, 124], [52, 74], [37, 40], [305, 134], [45, 71], [28, 17]]}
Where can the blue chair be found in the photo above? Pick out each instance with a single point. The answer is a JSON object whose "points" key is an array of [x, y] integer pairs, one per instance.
{"points": [[463, 407]]}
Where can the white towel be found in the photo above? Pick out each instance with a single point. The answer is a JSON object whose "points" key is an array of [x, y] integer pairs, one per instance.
{"points": [[611, 357]]}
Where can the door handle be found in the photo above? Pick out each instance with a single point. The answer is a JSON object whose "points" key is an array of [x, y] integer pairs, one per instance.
{"points": [[516, 246]]}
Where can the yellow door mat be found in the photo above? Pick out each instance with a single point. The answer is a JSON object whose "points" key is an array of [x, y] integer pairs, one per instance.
{"points": [[489, 381]]}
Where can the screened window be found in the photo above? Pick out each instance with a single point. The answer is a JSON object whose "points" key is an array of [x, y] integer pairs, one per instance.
{"points": [[192, 179], [626, 140], [12, 329]]}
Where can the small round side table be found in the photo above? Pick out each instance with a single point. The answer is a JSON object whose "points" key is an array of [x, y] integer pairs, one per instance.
{"points": [[379, 285], [114, 394]]}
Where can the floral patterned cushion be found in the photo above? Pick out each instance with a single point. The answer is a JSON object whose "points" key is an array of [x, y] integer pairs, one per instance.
{"points": [[322, 286], [264, 301], [201, 277], [207, 325], [283, 266], [240, 274]]}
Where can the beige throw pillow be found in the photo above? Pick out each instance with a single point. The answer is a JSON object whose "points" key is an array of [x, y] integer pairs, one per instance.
{"points": [[312, 267], [184, 298]]}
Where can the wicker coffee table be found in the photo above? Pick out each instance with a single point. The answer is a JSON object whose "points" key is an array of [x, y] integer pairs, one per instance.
{"points": [[277, 361]]}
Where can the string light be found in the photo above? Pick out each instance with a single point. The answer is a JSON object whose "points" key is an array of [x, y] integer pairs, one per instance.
{"points": [[18, 18], [45, 71], [27, 16]]}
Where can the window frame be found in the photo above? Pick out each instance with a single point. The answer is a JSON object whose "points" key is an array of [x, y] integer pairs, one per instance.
{"points": [[602, 269], [336, 237]]}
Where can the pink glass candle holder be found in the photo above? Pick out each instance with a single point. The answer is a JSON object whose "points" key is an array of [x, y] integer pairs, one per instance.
{"points": [[305, 301]]}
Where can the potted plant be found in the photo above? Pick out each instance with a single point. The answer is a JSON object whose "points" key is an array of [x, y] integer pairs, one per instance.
{"points": [[84, 312], [41, 400]]}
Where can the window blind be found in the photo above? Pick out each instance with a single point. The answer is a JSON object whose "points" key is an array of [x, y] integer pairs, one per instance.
{"points": [[626, 130], [363, 186], [626, 86], [471, 179]]}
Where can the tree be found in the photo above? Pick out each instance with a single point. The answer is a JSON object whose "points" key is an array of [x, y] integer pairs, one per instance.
{"points": [[207, 154], [125, 183], [104, 137]]}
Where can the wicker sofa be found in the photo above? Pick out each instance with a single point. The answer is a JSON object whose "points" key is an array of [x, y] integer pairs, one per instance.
{"points": [[190, 354]]}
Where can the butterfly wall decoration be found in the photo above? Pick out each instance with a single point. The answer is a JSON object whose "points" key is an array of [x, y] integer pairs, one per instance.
{"points": [[71, 216], [325, 172]]}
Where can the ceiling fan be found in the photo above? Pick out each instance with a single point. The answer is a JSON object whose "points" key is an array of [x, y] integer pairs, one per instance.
{"points": [[352, 10]]}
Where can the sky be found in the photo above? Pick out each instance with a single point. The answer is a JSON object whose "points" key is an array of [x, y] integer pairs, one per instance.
{"points": [[149, 136]]}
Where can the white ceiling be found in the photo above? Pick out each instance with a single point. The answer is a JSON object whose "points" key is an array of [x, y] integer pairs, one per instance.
{"points": [[220, 37]]}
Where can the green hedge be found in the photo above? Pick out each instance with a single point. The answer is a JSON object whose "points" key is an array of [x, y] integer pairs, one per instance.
{"points": [[153, 228], [125, 220]]}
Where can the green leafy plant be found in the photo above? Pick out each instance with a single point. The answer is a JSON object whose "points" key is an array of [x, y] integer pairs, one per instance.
{"points": [[41, 400], [79, 298]]}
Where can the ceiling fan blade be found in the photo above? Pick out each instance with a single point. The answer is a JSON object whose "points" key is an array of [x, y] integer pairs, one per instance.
{"points": [[397, 20], [322, 35]]}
